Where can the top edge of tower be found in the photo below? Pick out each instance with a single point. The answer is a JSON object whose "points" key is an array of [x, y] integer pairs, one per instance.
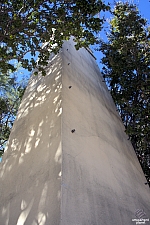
{"points": [[90, 51], [71, 39]]}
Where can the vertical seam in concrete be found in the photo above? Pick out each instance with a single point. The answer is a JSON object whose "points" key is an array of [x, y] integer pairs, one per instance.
{"points": [[61, 54]]}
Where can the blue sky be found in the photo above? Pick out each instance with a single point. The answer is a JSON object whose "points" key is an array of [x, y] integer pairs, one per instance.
{"points": [[144, 9], [143, 6]]}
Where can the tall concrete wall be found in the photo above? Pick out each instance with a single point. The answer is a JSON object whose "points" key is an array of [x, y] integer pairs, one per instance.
{"points": [[69, 161]]}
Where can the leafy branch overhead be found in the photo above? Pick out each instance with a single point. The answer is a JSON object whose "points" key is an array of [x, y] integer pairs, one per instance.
{"points": [[26, 25]]}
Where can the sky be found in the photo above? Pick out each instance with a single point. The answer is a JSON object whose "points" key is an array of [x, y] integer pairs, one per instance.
{"points": [[144, 9], [143, 6]]}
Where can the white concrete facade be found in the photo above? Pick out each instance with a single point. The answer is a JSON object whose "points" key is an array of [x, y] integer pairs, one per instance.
{"points": [[69, 161]]}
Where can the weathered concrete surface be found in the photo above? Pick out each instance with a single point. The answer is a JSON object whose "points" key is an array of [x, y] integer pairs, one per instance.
{"points": [[51, 176], [30, 181]]}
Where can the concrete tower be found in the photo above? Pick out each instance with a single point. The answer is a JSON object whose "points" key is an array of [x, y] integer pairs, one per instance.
{"points": [[68, 160]]}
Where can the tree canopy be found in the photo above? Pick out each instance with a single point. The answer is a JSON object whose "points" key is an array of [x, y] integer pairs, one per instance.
{"points": [[26, 25], [127, 73], [11, 92]]}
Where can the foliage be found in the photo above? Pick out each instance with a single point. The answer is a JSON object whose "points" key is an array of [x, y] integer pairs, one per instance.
{"points": [[26, 25], [38, 27], [11, 93], [127, 72]]}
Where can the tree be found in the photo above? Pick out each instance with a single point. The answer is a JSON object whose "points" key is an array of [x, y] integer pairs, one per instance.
{"points": [[11, 93], [127, 72], [26, 25], [36, 27]]}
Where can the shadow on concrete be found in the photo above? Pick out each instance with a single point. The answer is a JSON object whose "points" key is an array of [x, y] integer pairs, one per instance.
{"points": [[33, 155]]}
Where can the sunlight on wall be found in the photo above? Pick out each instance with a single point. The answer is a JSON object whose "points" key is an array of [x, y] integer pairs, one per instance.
{"points": [[55, 99], [41, 218], [39, 133], [37, 125], [48, 91], [41, 87], [58, 105], [60, 174], [58, 154], [40, 100], [26, 104], [4, 167], [23, 205], [43, 197], [60, 112], [58, 76], [5, 213], [28, 142], [23, 216], [21, 158], [14, 145]]}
